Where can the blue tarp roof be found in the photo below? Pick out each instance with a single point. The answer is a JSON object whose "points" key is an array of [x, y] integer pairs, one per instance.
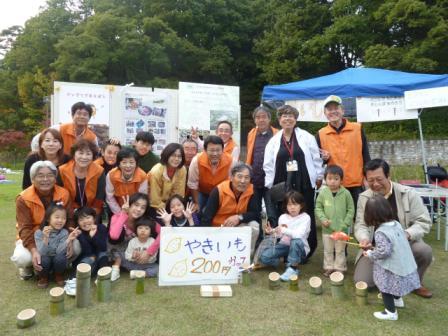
{"points": [[355, 82]]}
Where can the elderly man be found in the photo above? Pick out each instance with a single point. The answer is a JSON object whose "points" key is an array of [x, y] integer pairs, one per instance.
{"points": [[408, 209], [191, 149], [232, 203], [344, 143], [208, 169]]}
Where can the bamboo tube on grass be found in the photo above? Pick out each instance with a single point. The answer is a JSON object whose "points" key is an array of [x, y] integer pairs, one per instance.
{"points": [[337, 285], [274, 280], [316, 285], [26, 318], [361, 293], [103, 287], [57, 295], [245, 275], [140, 282], [83, 285], [294, 283]]}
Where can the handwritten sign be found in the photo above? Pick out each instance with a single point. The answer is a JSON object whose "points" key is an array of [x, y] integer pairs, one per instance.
{"points": [[202, 255], [434, 97], [309, 110], [371, 109]]}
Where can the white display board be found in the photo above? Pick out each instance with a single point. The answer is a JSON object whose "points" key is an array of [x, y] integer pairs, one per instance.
{"points": [[309, 110], [417, 99], [202, 255], [69, 93], [373, 109], [204, 105]]}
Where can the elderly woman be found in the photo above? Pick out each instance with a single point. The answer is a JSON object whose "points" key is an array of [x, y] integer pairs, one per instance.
{"points": [[84, 179], [51, 148], [30, 211], [292, 162]]}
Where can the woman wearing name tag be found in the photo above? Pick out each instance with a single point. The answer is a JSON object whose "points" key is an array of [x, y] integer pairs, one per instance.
{"points": [[292, 162]]}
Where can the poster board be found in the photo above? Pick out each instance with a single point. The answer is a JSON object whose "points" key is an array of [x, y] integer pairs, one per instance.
{"points": [[202, 255], [418, 99], [309, 110], [204, 105], [373, 109]]}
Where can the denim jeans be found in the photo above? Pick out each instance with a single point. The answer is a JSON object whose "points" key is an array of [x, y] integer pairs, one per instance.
{"points": [[57, 263], [295, 253], [203, 198], [96, 262]]}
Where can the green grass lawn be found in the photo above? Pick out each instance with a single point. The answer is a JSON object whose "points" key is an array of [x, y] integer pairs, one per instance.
{"points": [[253, 310]]}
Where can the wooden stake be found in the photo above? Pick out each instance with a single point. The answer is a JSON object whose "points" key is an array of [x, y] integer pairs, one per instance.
{"points": [[83, 272], [274, 280], [245, 275], [57, 295], [316, 285], [361, 293], [294, 283], [26, 318], [337, 285], [140, 282], [103, 287]]}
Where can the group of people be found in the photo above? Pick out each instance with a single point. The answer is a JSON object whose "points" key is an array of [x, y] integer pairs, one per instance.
{"points": [[76, 207]]}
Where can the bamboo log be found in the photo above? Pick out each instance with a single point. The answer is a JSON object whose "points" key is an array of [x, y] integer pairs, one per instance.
{"points": [[140, 282], [316, 285], [103, 286], [245, 275], [294, 283], [274, 280], [337, 285], [83, 272], [361, 293], [57, 295], [26, 318]]}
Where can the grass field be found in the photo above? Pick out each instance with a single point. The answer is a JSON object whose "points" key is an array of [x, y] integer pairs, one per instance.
{"points": [[253, 310]]}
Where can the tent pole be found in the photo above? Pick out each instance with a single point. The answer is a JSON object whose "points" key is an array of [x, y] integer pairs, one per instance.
{"points": [[422, 144]]}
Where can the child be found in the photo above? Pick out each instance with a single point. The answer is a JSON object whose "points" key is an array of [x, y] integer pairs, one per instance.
{"points": [[176, 214], [92, 238], [335, 210], [135, 255], [293, 229], [394, 268], [143, 145], [51, 242], [109, 151], [122, 229]]}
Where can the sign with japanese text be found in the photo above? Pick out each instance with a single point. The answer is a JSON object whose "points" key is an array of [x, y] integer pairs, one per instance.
{"points": [[202, 255], [371, 109], [435, 97], [309, 109]]}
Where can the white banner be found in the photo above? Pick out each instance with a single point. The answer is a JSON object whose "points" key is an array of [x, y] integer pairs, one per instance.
{"points": [[435, 97], [372, 109], [309, 110], [96, 95], [202, 255]]}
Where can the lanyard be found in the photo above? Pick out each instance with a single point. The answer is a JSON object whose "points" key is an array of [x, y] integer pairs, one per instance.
{"points": [[290, 147], [82, 192]]}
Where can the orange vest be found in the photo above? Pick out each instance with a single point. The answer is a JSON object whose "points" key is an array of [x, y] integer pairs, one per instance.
{"points": [[251, 142], [228, 148], [68, 135], [228, 205], [345, 151], [123, 188], [99, 161], [207, 179], [68, 178], [37, 210]]}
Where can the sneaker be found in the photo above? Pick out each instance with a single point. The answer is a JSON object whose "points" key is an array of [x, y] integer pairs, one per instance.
{"points": [[399, 303], [386, 315], [25, 273], [70, 287], [132, 275], [42, 282], [289, 271], [115, 274]]}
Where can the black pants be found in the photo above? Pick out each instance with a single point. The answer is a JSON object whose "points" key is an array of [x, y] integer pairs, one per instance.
{"points": [[388, 300]]}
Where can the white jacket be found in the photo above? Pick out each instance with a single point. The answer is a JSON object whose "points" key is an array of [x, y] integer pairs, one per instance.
{"points": [[307, 143]]}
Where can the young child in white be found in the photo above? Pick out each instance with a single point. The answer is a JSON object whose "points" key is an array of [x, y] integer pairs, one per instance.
{"points": [[394, 268], [335, 210], [293, 229], [136, 257]]}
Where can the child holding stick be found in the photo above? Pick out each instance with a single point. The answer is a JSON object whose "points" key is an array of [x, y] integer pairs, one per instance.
{"points": [[394, 268]]}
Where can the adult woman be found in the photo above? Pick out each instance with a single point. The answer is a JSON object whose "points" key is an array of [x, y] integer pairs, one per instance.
{"points": [[292, 161], [124, 180], [83, 178], [51, 148], [168, 177], [30, 211]]}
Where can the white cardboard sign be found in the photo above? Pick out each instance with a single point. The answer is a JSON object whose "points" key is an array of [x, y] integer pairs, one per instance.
{"points": [[373, 109], [435, 97], [202, 255], [309, 110]]}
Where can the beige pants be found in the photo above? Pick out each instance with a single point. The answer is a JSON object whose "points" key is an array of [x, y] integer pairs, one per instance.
{"points": [[334, 254], [255, 227]]}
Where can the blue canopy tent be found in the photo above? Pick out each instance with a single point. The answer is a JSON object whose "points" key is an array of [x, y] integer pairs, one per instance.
{"points": [[357, 82]]}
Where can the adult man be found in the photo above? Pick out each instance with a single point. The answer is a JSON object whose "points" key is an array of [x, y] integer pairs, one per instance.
{"points": [[344, 143], [74, 131], [191, 149], [232, 203], [208, 169], [408, 209]]}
